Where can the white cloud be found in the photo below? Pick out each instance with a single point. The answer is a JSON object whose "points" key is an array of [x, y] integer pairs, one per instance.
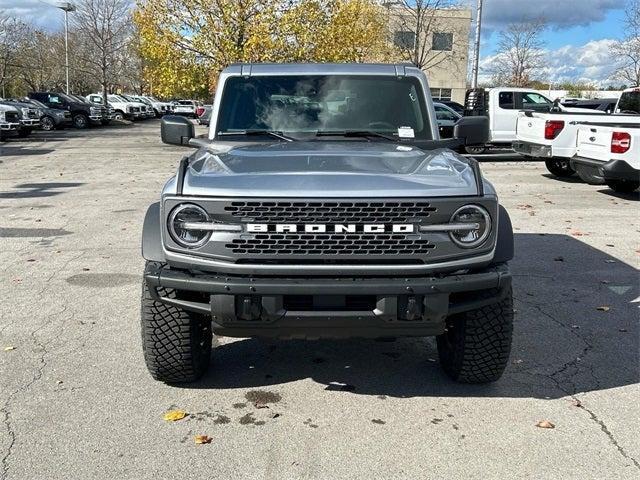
{"points": [[589, 63]]}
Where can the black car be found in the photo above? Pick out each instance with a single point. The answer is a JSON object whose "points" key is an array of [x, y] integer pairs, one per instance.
{"points": [[52, 118], [82, 114]]}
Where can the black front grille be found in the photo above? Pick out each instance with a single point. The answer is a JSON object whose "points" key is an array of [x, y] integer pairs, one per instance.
{"points": [[330, 212], [330, 244], [11, 117]]}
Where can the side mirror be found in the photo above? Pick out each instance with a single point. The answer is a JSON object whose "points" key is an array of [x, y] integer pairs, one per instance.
{"points": [[176, 130], [472, 130]]}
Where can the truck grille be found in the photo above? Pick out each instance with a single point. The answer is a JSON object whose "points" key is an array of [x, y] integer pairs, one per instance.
{"points": [[328, 212], [12, 117]]}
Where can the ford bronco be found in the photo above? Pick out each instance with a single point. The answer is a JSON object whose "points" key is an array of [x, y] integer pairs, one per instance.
{"points": [[323, 204]]}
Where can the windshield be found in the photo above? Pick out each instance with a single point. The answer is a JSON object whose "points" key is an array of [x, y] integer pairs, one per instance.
{"points": [[325, 103], [630, 102], [115, 98]]}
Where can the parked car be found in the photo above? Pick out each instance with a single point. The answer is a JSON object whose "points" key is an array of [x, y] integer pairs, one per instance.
{"points": [[552, 136], [145, 106], [205, 116], [447, 118], [83, 114], [606, 105], [29, 116], [186, 107], [159, 108], [328, 215], [609, 153], [105, 111], [629, 102], [52, 118], [123, 108], [455, 106], [502, 106], [9, 120]]}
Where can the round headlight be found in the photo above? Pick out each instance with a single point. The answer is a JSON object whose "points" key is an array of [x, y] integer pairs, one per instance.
{"points": [[467, 217], [188, 237]]}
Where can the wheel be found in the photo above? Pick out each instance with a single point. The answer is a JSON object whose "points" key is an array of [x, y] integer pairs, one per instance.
{"points": [[47, 124], [80, 120], [476, 346], [475, 150], [559, 167], [24, 132], [176, 343], [119, 116], [623, 186], [105, 122], [590, 175]]}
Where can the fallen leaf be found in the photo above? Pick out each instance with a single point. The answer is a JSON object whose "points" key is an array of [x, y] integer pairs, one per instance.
{"points": [[8, 349], [174, 415], [603, 308], [609, 261], [545, 424], [260, 405], [202, 439], [577, 403]]}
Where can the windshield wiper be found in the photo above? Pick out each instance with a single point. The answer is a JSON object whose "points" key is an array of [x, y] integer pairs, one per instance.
{"points": [[355, 133], [272, 133]]}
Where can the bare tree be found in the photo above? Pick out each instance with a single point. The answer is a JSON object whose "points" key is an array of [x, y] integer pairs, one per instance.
{"points": [[627, 51], [425, 32], [13, 34], [104, 27], [519, 55]]}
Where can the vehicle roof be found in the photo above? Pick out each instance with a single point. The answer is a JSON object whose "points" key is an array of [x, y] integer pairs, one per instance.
{"points": [[249, 69]]}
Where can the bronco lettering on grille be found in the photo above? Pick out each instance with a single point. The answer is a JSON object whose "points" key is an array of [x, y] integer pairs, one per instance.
{"points": [[334, 228]]}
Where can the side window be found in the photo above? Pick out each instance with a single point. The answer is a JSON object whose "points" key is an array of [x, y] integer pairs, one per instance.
{"points": [[54, 99], [505, 100], [535, 99], [444, 114]]}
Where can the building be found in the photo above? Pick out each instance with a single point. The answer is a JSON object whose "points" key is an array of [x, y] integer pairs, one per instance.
{"points": [[436, 40]]}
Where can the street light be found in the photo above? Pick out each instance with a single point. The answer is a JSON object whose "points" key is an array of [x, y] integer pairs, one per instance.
{"points": [[476, 56], [66, 7]]}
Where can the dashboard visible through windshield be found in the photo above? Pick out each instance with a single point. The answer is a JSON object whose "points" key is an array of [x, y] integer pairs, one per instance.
{"points": [[325, 103]]}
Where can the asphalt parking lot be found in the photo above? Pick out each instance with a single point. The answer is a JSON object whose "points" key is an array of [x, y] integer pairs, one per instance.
{"points": [[77, 401]]}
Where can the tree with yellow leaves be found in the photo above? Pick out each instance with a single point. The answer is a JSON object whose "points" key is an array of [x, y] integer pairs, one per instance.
{"points": [[185, 43]]}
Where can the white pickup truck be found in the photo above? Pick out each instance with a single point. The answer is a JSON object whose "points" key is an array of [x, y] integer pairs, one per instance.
{"points": [[553, 135], [609, 153], [503, 106]]}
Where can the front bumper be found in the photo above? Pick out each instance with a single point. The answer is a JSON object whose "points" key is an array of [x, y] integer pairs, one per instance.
{"points": [[9, 127], [30, 123], [529, 149], [611, 170], [270, 307], [95, 118]]}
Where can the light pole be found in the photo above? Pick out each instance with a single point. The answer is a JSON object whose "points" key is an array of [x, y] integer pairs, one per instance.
{"points": [[66, 7], [476, 56]]}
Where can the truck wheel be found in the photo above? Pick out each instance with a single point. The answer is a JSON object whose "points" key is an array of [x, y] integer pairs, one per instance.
{"points": [[476, 346], [47, 124], [176, 343], [475, 150], [560, 168], [623, 186], [80, 121], [590, 175], [118, 116]]}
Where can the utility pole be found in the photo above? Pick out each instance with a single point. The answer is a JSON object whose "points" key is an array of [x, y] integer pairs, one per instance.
{"points": [[476, 56], [66, 7]]}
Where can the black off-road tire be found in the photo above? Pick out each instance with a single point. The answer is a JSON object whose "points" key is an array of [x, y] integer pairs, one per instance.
{"points": [[176, 343], [476, 346], [80, 121], [47, 123], [559, 167], [623, 186]]}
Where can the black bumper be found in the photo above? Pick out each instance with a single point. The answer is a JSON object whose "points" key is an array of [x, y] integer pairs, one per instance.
{"points": [[271, 307], [612, 170]]}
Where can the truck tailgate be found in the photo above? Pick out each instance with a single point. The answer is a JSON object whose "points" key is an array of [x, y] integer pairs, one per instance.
{"points": [[594, 142], [531, 129]]}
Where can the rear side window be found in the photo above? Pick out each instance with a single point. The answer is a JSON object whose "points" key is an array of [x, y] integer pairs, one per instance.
{"points": [[629, 102], [506, 101]]}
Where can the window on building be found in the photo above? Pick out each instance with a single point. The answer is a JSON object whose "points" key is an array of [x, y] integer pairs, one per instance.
{"points": [[505, 100], [404, 39], [441, 93], [442, 42]]}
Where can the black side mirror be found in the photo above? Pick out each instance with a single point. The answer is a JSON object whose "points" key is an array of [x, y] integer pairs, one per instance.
{"points": [[176, 130], [472, 130]]}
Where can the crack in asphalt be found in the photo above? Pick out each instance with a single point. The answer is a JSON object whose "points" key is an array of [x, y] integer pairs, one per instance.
{"points": [[573, 392]]}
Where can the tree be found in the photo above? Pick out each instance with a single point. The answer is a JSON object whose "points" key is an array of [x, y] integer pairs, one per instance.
{"points": [[627, 51], [519, 55], [185, 43], [104, 27], [423, 33], [13, 34]]}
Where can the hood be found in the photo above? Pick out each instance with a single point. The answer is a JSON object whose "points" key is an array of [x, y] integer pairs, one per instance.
{"points": [[328, 169], [7, 108]]}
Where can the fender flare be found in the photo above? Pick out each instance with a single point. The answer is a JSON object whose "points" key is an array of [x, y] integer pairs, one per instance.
{"points": [[151, 235], [504, 243]]}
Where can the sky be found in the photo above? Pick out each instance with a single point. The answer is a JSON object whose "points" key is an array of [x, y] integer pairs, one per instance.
{"points": [[577, 38]]}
